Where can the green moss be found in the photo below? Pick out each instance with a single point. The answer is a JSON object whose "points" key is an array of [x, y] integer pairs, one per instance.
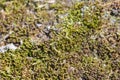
{"points": [[57, 6], [76, 29], [69, 54]]}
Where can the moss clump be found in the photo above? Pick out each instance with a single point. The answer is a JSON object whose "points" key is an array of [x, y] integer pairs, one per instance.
{"points": [[76, 49], [32, 62], [76, 28]]}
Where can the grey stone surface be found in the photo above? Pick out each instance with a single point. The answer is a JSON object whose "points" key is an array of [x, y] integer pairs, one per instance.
{"points": [[10, 46]]}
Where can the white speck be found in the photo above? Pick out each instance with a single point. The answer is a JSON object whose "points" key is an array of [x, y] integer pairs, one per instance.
{"points": [[30, 12], [3, 49], [2, 11], [6, 47], [71, 69], [64, 61], [51, 1], [80, 78], [93, 37], [38, 0], [102, 34], [41, 6], [82, 14], [48, 27], [63, 15], [106, 15], [84, 9], [93, 7], [10, 32], [38, 24], [104, 65], [29, 58], [95, 58], [118, 30], [11, 46], [21, 42]]}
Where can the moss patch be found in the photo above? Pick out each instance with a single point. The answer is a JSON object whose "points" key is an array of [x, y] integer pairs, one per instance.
{"points": [[79, 46]]}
